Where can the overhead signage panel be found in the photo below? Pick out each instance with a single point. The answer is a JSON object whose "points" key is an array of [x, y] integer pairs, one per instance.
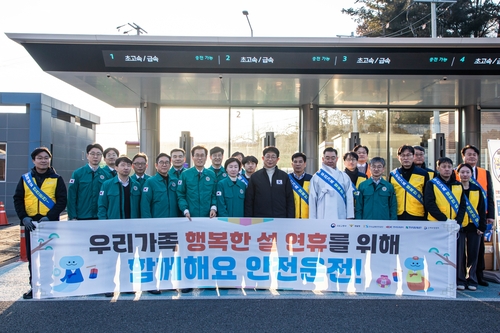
{"points": [[289, 62]]}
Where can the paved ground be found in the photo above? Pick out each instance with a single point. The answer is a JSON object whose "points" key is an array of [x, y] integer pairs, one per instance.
{"points": [[249, 310], [231, 310]]}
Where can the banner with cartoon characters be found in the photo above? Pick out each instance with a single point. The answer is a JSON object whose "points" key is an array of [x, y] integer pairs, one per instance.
{"points": [[390, 257], [494, 154]]}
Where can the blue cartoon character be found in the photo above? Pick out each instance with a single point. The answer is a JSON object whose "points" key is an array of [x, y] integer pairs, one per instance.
{"points": [[414, 279], [73, 276]]}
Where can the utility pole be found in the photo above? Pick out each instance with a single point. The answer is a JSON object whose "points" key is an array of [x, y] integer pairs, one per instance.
{"points": [[134, 26], [433, 14]]}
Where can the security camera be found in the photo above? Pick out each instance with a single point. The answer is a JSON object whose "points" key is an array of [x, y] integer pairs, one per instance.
{"points": [[445, 78], [108, 75], [220, 77]]}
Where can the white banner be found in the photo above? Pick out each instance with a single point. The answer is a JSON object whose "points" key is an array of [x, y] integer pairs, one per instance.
{"points": [[390, 257], [494, 152]]}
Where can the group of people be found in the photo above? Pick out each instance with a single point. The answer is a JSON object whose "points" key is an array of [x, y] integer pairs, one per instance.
{"points": [[238, 189]]}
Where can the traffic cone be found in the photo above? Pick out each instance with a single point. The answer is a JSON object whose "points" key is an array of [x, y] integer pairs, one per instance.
{"points": [[22, 245], [3, 215]]}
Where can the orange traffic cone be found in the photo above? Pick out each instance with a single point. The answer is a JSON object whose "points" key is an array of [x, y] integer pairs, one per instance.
{"points": [[22, 245], [3, 215]]}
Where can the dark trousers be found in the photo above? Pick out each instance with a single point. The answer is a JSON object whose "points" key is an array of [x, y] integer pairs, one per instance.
{"points": [[27, 238], [481, 266], [467, 258]]}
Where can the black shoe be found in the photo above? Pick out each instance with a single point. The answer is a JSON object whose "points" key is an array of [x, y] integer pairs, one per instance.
{"points": [[154, 292], [28, 295], [109, 294], [483, 283], [186, 290]]}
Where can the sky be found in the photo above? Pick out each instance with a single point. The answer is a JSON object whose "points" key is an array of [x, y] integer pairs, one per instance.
{"points": [[269, 18]]}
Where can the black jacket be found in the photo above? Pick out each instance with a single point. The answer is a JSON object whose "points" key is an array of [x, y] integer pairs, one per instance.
{"points": [[265, 200]]}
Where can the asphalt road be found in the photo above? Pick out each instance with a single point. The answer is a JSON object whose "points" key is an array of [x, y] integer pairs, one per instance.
{"points": [[251, 315]]}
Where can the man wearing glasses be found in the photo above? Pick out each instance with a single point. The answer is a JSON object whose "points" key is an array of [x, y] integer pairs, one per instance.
{"points": [[84, 186], [331, 190], [270, 192], [159, 197], [140, 165], [197, 186], [409, 182], [419, 160], [40, 196]]}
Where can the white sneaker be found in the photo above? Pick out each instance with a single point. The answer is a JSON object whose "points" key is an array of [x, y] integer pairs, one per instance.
{"points": [[460, 287], [472, 288]]}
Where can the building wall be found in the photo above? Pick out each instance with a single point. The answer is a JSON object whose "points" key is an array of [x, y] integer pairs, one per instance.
{"points": [[63, 128]]}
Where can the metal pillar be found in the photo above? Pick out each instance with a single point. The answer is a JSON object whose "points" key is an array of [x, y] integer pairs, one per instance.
{"points": [[150, 133], [309, 135], [470, 117]]}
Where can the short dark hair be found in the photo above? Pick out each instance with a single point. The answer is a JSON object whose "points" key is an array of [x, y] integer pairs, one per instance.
{"points": [[216, 150], [352, 154], [406, 147], [464, 149], [111, 149], [271, 149], [377, 159], [360, 146], [178, 149], [299, 154], [331, 150], [238, 153], [231, 160], [467, 166], [444, 160], [39, 150], [143, 155], [199, 147], [122, 159], [419, 148], [249, 158], [160, 155], [92, 146]]}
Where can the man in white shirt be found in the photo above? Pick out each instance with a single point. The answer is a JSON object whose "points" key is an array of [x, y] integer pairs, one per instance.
{"points": [[331, 191]]}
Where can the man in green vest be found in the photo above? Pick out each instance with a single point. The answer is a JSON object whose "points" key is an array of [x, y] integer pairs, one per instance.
{"points": [[197, 186], [217, 156], [159, 198], [140, 165], [120, 196], [84, 186]]}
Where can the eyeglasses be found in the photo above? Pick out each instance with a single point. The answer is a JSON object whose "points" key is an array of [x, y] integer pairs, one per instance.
{"points": [[376, 167], [163, 163], [199, 155], [270, 157], [406, 155], [139, 164], [351, 160], [95, 154], [40, 158]]}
